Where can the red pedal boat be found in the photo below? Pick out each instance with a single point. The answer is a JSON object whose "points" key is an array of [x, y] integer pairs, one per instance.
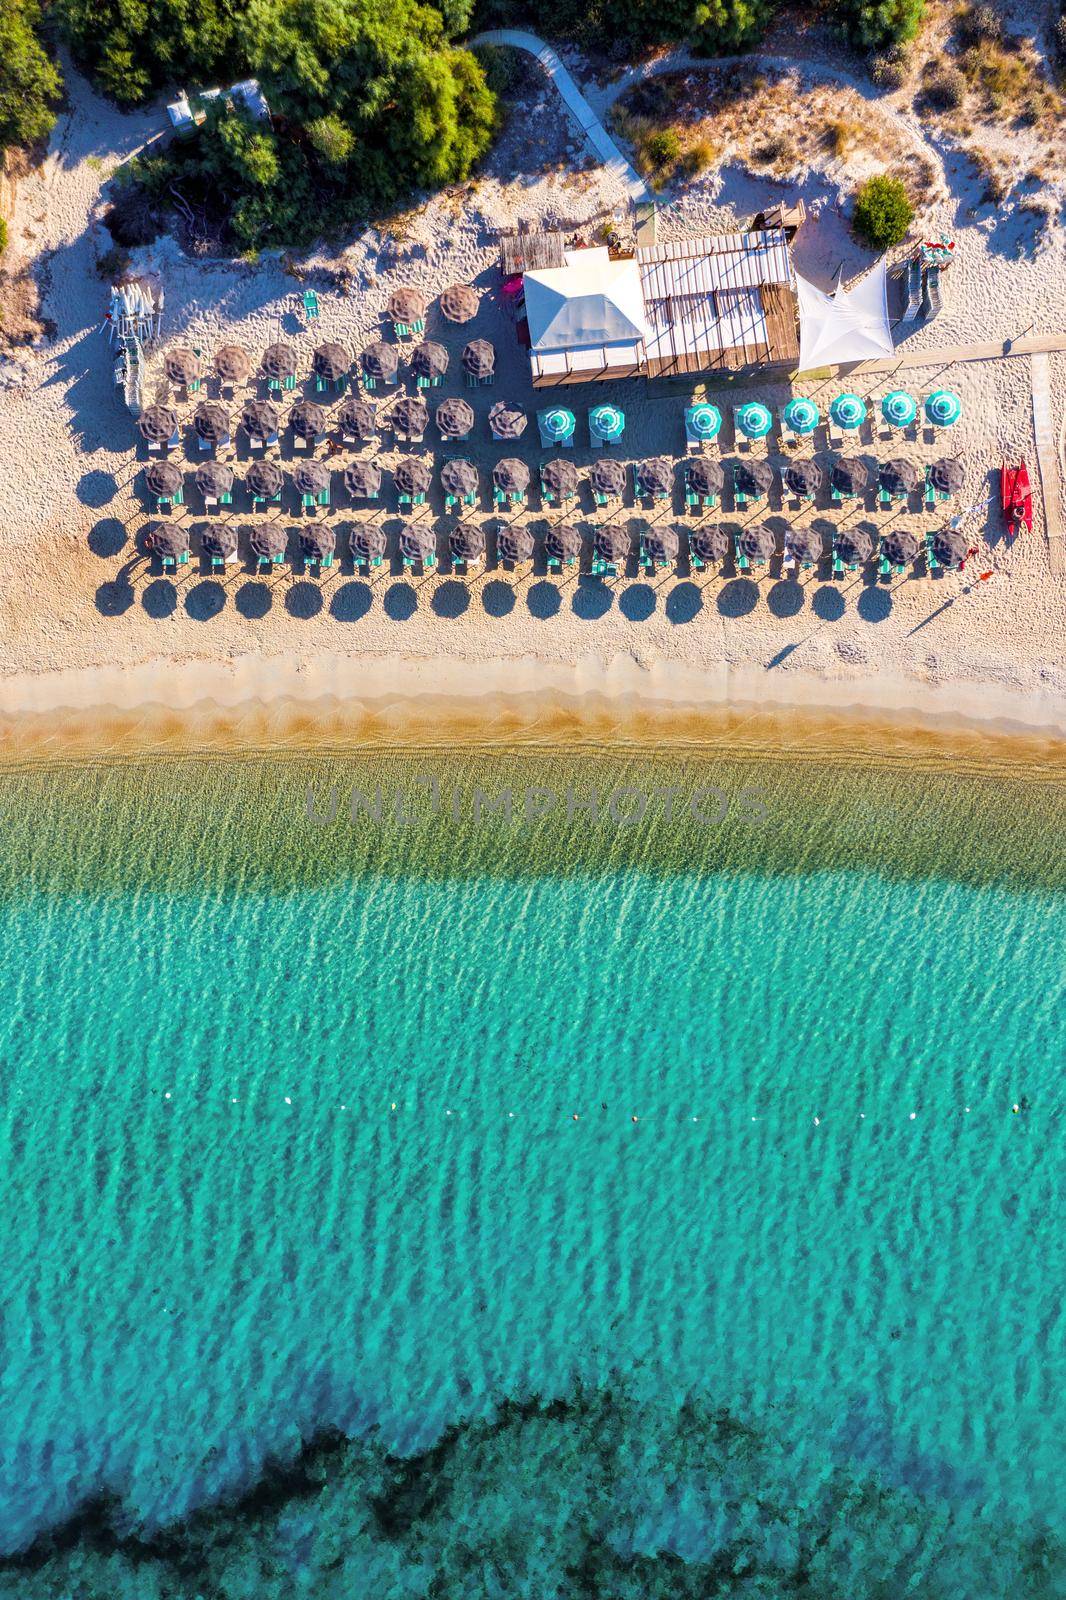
{"points": [[1017, 497]]}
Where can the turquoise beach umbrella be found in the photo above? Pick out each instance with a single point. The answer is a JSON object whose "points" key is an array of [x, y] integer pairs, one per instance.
{"points": [[802, 415], [899, 408], [704, 421], [943, 408], [607, 422], [848, 411], [754, 420], [558, 423]]}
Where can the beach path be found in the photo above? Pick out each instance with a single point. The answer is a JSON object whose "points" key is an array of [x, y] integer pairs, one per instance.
{"points": [[575, 102]]}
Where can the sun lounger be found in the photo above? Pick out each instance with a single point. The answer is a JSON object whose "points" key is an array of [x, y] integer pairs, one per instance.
{"points": [[310, 305], [912, 288]]}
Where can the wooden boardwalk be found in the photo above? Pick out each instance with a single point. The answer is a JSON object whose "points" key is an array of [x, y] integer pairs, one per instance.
{"points": [[1047, 455]]}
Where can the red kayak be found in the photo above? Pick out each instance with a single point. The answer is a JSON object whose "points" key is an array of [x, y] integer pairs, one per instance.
{"points": [[1017, 498]]}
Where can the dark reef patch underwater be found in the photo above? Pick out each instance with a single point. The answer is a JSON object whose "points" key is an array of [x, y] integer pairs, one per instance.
{"points": [[593, 1495]]}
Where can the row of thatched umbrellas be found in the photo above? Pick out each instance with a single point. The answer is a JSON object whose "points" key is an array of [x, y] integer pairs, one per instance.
{"points": [[355, 418], [559, 477], [330, 361], [612, 543]]}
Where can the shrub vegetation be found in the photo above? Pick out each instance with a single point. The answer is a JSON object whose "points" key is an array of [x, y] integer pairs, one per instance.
{"points": [[883, 212], [29, 82]]}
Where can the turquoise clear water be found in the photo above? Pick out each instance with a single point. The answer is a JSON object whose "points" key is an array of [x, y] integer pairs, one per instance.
{"points": [[612, 1230]]}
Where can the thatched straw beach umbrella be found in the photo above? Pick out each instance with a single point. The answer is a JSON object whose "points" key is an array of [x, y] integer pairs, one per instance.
{"points": [[898, 476], [279, 361], [654, 478], [407, 306], [459, 478], [413, 475], [612, 543], [429, 360], [559, 477], [757, 543], [380, 360], [661, 544], [170, 539], [311, 477], [157, 424], [307, 419], [511, 475], [710, 543], [211, 421], [410, 416], [418, 542], [455, 418], [330, 361], [362, 479], [163, 479], [850, 475], [507, 421], [367, 542], [219, 539], [265, 480], [900, 546], [260, 419], [564, 541], [949, 546], [854, 545], [948, 474], [805, 543], [357, 418], [214, 479], [182, 365], [459, 302], [607, 475], [233, 363], [467, 542], [804, 478], [318, 540], [705, 476], [268, 540], [479, 359], [514, 543], [754, 477]]}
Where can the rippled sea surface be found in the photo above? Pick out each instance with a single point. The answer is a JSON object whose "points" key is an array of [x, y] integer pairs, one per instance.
{"points": [[537, 1206]]}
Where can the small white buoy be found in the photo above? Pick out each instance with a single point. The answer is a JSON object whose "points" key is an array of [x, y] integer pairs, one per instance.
{"points": [[1016, 1108], [288, 1102], [233, 1099], [913, 1115], [967, 1108], [817, 1120], [394, 1105], [167, 1095], [510, 1113], [862, 1116]]}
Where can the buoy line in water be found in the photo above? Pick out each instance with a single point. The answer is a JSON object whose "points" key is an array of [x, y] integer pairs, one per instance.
{"points": [[1017, 1108]]}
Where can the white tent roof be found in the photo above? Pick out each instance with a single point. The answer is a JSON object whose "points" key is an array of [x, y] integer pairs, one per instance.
{"points": [[589, 303], [851, 325]]}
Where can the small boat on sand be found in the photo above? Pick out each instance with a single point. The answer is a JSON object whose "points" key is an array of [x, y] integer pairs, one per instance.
{"points": [[1017, 497]]}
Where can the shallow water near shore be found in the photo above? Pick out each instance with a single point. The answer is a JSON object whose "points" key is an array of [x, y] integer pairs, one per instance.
{"points": [[554, 1195]]}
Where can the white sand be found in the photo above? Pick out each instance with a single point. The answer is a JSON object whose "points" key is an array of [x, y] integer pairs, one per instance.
{"points": [[83, 618]]}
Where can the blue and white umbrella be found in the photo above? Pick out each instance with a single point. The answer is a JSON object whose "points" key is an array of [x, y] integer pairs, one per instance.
{"points": [[607, 422], [754, 420], [704, 421], [558, 423], [943, 408], [802, 415], [848, 412], [899, 408]]}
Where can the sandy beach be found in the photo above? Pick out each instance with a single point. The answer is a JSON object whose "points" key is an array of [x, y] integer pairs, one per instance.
{"points": [[87, 621]]}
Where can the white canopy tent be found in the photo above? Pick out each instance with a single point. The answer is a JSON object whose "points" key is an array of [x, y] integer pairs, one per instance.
{"points": [[590, 301], [850, 325]]}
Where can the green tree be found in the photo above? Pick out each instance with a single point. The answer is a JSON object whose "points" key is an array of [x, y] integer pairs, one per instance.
{"points": [[883, 212], [29, 83], [875, 24]]}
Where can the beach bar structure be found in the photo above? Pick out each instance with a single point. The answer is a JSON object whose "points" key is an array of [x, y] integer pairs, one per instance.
{"points": [[721, 303]]}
